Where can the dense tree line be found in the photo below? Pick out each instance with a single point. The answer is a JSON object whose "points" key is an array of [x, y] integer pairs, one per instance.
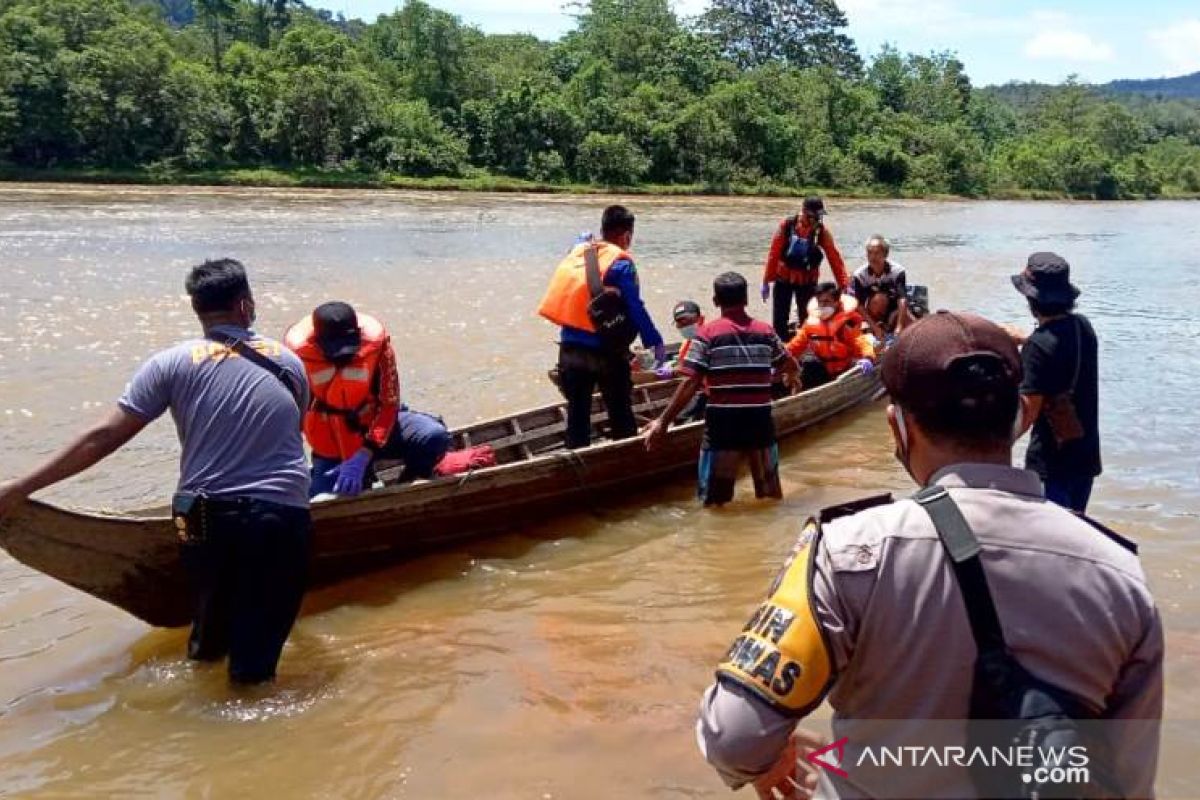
{"points": [[754, 93]]}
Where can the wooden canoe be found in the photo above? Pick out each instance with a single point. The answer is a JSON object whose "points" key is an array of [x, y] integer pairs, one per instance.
{"points": [[131, 560]]}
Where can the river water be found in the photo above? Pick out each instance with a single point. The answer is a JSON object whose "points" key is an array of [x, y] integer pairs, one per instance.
{"points": [[562, 661]]}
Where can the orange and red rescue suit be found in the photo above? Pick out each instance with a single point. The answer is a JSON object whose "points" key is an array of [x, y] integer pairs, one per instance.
{"points": [[838, 341]]}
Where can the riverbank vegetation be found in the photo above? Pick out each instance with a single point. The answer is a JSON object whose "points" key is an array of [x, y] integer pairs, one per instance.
{"points": [[755, 96]]}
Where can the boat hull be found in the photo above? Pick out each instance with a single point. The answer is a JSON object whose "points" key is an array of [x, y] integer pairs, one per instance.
{"points": [[132, 561]]}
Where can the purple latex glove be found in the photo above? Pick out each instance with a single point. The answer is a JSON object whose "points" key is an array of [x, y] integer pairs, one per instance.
{"points": [[350, 473], [766, 292], [660, 354], [868, 366], [665, 372]]}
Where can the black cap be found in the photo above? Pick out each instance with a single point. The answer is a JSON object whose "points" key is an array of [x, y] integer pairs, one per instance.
{"points": [[685, 309], [1047, 279], [918, 369], [336, 326], [815, 206]]}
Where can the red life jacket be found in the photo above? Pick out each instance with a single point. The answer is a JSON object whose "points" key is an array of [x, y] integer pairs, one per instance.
{"points": [[832, 340], [344, 399]]}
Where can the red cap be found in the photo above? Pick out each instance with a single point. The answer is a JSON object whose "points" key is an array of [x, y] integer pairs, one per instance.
{"points": [[917, 370]]}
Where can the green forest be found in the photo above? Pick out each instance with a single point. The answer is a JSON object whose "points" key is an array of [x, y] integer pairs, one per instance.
{"points": [[754, 96]]}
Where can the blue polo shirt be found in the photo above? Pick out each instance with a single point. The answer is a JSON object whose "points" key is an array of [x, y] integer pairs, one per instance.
{"points": [[238, 425]]}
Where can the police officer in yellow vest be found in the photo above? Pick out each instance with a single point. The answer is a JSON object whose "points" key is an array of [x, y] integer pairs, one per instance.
{"points": [[873, 612], [585, 360]]}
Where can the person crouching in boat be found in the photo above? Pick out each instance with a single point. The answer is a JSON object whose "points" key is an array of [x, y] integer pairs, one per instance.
{"points": [[241, 508], [355, 415], [831, 340], [688, 319], [733, 357], [881, 288]]}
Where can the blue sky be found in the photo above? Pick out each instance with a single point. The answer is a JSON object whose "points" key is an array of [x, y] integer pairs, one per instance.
{"points": [[1016, 40]]}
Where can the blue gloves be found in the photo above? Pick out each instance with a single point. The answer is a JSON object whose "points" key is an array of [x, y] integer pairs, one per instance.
{"points": [[350, 473], [660, 354], [665, 372], [766, 292], [868, 366]]}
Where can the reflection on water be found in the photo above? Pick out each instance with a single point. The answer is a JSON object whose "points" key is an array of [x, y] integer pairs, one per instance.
{"points": [[564, 660]]}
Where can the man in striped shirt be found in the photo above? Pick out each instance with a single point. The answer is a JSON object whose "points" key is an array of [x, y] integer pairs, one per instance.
{"points": [[734, 358]]}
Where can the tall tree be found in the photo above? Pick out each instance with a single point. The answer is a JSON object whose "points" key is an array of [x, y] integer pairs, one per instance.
{"points": [[268, 16], [802, 33], [216, 13]]}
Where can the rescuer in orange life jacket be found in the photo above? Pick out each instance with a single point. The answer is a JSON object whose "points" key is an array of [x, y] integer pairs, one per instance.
{"points": [[355, 415], [831, 341], [589, 356]]}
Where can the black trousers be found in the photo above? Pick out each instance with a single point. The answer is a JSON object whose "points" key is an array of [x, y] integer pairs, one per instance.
{"points": [[580, 371], [248, 565], [783, 294], [813, 372]]}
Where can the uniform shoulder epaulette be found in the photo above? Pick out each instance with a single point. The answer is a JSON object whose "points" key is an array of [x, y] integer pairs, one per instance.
{"points": [[853, 507], [1128, 544]]}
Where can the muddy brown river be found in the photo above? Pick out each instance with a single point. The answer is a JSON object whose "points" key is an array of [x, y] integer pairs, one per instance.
{"points": [[564, 661]]}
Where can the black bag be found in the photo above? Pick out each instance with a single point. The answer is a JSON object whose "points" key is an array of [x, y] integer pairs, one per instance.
{"points": [[607, 309], [1010, 706], [799, 252], [1059, 409]]}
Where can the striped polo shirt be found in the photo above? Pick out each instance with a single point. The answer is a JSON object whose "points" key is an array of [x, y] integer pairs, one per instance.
{"points": [[736, 355]]}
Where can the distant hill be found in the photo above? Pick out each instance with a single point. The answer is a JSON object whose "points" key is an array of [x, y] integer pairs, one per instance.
{"points": [[1183, 86]]}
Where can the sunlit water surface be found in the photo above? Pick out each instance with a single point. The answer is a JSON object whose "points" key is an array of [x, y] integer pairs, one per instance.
{"points": [[562, 661]]}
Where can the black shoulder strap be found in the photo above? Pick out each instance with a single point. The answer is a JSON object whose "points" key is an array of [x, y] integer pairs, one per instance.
{"points": [[591, 263], [963, 548], [1128, 544], [789, 225], [247, 352], [831, 513]]}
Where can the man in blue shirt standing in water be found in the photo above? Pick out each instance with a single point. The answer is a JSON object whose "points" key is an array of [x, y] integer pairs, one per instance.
{"points": [[241, 507]]}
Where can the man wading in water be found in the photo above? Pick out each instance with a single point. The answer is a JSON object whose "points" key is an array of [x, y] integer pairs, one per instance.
{"points": [[242, 504]]}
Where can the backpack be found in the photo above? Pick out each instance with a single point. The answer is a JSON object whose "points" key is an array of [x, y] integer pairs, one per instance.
{"points": [[1011, 707], [801, 253], [607, 309]]}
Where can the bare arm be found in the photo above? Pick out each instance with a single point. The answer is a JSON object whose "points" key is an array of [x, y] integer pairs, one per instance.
{"points": [[683, 395], [98, 442], [1031, 405]]}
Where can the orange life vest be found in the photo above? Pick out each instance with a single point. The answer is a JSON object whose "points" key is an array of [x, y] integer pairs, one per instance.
{"points": [[567, 298], [832, 340], [344, 400]]}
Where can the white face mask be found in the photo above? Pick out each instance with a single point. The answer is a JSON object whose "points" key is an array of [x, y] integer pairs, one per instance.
{"points": [[826, 312], [689, 331]]}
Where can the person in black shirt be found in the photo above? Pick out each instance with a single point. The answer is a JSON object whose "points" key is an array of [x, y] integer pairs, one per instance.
{"points": [[1061, 385]]}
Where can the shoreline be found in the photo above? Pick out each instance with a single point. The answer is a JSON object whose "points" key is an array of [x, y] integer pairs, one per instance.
{"points": [[273, 178]]}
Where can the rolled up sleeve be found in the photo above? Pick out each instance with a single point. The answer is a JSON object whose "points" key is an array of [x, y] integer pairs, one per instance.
{"points": [[740, 735]]}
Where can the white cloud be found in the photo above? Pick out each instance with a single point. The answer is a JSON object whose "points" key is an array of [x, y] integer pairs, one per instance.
{"points": [[1179, 44], [1067, 45]]}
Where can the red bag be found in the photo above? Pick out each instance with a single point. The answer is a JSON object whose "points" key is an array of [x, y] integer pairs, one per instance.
{"points": [[457, 462]]}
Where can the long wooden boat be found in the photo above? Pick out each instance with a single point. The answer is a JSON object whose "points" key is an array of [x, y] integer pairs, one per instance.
{"points": [[131, 560]]}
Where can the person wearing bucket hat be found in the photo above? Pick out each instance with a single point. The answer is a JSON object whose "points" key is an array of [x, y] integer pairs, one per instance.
{"points": [[866, 572], [800, 244], [1061, 386]]}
